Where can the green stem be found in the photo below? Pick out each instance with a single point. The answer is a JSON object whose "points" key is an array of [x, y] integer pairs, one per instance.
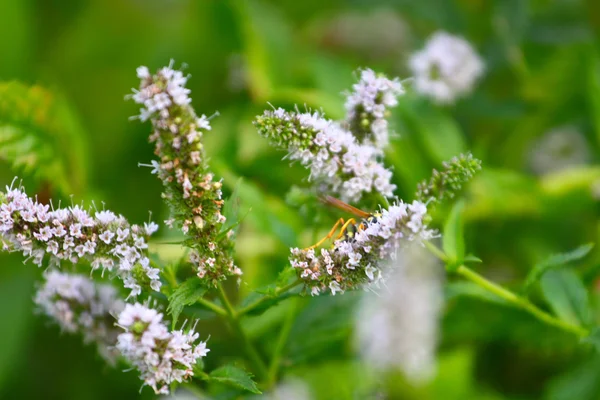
{"points": [[213, 307], [384, 202], [435, 250], [233, 319], [259, 302], [281, 342], [520, 302]]}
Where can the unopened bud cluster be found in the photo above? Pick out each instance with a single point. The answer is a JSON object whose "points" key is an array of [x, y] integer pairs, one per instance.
{"points": [[79, 305], [191, 192], [338, 164], [161, 356], [354, 262], [445, 184], [344, 157], [105, 240]]}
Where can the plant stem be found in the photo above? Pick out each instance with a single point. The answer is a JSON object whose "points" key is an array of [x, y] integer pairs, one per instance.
{"points": [[435, 250], [520, 302], [233, 318], [213, 307], [384, 202], [281, 342], [259, 302], [169, 274]]}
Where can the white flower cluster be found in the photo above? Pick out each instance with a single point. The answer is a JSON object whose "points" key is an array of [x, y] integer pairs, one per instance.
{"points": [[290, 389], [559, 149], [79, 305], [105, 240], [446, 68], [397, 327], [367, 107], [159, 99], [344, 157], [162, 357], [354, 261], [337, 163], [194, 198]]}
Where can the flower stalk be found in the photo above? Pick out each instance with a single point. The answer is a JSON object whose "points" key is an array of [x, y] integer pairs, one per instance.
{"points": [[520, 302]]}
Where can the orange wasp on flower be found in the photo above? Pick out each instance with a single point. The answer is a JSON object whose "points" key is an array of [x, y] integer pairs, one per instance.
{"points": [[350, 226]]}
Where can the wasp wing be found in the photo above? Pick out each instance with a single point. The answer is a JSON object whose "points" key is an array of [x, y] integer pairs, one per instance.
{"points": [[344, 206]]}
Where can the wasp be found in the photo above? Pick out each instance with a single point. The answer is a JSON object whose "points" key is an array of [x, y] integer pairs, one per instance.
{"points": [[350, 226]]}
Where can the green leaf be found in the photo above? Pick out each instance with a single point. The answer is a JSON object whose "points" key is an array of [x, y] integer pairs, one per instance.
{"points": [[16, 292], [231, 209], [593, 339], [337, 379], [40, 135], [234, 376], [581, 383], [186, 294], [438, 133], [472, 258], [268, 46], [555, 261], [566, 295], [594, 91], [269, 291], [453, 241]]}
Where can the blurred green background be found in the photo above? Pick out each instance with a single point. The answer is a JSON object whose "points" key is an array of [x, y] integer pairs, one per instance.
{"points": [[542, 73]]}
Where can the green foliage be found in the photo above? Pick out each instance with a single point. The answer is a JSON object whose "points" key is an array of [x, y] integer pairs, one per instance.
{"points": [[542, 72], [554, 261], [453, 240], [231, 210], [582, 383], [234, 376], [41, 136], [186, 294], [567, 296], [16, 289]]}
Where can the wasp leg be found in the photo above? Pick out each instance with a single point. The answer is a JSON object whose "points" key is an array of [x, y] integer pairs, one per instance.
{"points": [[329, 235], [351, 221]]}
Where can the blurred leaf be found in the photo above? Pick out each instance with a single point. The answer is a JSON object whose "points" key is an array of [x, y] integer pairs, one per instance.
{"points": [[231, 209], [270, 292], [17, 30], [593, 90], [498, 194], [234, 376], [455, 379], [567, 296], [453, 241], [40, 135], [186, 294], [16, 291], [581, 383], [337, 379], [554, 261], [593, 339], [575, 179], [439, 134], [322, 328], [473, 259], [410, 167], [268, 46], [267, 213]]}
